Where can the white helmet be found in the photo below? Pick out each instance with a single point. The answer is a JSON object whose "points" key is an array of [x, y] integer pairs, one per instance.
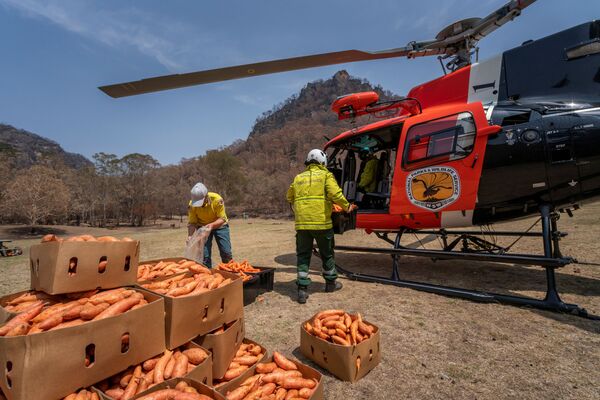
{"points": [[316, 155]]}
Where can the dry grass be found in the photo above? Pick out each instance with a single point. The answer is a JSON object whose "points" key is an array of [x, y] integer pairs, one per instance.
{"points": [[433, 346]]}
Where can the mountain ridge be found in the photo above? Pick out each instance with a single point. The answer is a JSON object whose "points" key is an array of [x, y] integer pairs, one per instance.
{"points": [[25, 149]]}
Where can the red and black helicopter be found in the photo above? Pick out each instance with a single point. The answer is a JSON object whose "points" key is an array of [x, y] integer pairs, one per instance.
{"points": [[489, 141]]}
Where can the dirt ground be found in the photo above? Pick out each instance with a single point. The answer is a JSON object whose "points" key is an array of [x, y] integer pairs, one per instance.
{"points": [[433, 347]]}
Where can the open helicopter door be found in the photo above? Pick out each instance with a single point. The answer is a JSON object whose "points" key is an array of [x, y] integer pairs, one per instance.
{"points": [[437, 176]]}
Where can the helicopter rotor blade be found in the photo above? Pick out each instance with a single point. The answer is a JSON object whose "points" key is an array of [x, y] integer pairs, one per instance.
{"points": [[247, 70], [451, 40]]}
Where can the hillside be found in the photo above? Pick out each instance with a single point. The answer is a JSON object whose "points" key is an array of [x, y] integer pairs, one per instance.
{"points": [[280, 139], [25, 149]]}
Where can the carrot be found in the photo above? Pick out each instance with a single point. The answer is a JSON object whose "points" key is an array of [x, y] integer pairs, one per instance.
{"points": [[225, 282], [18, 330], [239, 393], [196, 355], [235, 372], [298, 383], [305, 392], [246, 360], [365, 329], [170, 365], [160, 366], [67, 324], [328, 313], [90, 310], [354, 332], [107, 239], [338, 340], [118, 308], [114, 393], [180, 368], [150, 364], [265, 368], [24, 317], [283, 362], [280, 394], [132, 386], [268, 389]]}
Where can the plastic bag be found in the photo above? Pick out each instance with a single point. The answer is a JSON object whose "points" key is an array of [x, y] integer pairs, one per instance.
{"points": [[194, 250]]}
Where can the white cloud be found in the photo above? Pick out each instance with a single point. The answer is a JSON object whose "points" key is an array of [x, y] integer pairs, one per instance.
{"points": [[129, 28]]}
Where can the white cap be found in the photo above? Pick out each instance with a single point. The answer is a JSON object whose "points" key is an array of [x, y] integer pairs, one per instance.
{"points": [[199, 192]]}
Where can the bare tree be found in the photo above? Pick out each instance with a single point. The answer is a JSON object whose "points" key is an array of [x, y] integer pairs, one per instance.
{"points": [[37, 195]]}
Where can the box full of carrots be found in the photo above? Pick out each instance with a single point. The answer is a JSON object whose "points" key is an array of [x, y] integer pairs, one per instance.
{"points": [[342, 343], [53, 345], [223, 344], [198, 302], [277, 377], [83, 262]]}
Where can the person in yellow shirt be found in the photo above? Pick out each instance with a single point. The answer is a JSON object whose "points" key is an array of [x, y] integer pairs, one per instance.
{"points": [[207, 210]]}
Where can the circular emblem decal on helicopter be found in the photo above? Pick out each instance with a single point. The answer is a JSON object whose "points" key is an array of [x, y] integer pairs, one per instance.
{"points": [[433, 188]]}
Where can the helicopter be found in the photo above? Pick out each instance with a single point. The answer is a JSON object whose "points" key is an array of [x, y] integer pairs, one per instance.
{"points": [[490, 141]]}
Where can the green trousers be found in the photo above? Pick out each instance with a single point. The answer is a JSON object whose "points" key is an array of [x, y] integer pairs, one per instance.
{"points": [[304, 246]]}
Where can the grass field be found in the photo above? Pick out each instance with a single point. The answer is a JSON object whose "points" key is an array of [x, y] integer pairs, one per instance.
{"points": [[433, 347]]}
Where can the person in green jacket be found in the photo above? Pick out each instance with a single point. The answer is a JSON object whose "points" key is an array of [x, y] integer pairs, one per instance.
{"points": [[311, 195]]}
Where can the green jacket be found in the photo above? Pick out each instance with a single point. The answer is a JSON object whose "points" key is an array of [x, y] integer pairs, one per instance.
{"points": [[311, 194], [368, 178]]}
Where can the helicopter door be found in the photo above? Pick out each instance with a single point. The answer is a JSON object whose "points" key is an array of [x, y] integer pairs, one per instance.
{"points": [[439, 171], [349, 177], [562, 170]]}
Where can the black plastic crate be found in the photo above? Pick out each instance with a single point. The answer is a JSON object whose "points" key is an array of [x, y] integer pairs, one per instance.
{"points": [[261, 282]]}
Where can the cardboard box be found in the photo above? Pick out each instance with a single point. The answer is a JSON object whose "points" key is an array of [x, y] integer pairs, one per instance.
{"points": [[341, 360], [52, 273], [202, 373], [224, 387], [190, 316], [51, 364], [171, 383], [223, 346], [307, 372]]}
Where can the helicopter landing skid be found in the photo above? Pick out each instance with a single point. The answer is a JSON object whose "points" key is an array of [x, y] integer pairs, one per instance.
{"points": [[551, 260]]}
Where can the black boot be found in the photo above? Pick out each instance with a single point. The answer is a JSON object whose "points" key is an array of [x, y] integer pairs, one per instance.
{"points": [[332, 286], [302, 294]]}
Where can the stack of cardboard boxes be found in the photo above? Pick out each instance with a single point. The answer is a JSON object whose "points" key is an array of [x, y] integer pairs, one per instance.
{"points": [[52, 364]]}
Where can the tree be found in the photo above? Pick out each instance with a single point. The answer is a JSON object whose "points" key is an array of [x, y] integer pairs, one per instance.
{"points": [[107, 168], [139, 190], [37, 195]]}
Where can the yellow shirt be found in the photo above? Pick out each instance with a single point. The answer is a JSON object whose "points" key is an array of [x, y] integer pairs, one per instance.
{"points": [[209, 212]]}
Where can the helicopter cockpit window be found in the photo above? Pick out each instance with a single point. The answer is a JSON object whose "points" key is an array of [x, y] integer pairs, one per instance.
{"points": [[448, 138]]}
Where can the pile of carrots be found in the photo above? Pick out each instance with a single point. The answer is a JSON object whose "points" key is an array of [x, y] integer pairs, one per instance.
{"points": [[241, 268], [183, 285], [138, 378], [182, 391], [277, 380], [148, 272], [44, 313], [247, 355], [83, 394], [84, 238], [339, 327]]}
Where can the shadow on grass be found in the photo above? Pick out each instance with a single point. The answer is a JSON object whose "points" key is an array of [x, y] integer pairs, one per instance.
{"points": [[30, 232], [479, 276]]}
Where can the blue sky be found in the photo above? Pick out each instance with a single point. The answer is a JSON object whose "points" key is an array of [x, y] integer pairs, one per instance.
{"points": [[53, 55]]}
